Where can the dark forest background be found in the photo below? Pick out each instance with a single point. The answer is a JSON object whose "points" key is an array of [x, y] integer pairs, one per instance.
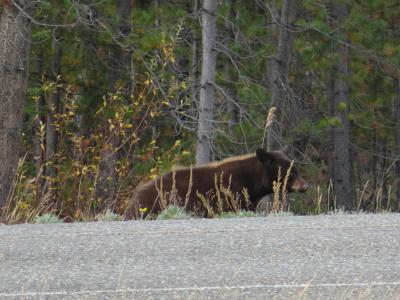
{"points": [[107, 93]]}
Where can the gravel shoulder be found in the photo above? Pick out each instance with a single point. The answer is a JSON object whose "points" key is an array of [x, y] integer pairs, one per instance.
{"points": [[326, 257]]}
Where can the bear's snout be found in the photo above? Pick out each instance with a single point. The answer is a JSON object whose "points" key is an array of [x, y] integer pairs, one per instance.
{"points": [[300, 185]]}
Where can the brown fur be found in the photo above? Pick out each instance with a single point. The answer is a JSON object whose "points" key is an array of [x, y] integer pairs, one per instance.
{"points": [[255, 172]]}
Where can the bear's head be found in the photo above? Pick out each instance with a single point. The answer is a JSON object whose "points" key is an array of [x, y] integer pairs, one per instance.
{"points": [[271, 162]]}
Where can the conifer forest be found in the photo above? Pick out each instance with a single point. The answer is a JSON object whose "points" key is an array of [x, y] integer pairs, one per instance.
{"points": [[98, 95]]}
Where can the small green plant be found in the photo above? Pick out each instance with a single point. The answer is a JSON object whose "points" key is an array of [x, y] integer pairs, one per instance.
{"points": [[337, 211], [108, 216], [240, 214], [47, 218], [281, 214], [173, 212]]}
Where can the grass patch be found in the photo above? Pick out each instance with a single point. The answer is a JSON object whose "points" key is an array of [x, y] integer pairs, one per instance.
{"points": [[240, 214], [109, 216], [173, 212], [47, 218], [281, 214]]}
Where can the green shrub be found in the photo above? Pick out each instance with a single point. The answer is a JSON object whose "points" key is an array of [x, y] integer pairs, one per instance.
{"points": [[109, 216], [173, 212], [47, 219]]}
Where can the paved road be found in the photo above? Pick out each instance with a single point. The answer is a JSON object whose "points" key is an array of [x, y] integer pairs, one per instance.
{"points": [[324, 257]]}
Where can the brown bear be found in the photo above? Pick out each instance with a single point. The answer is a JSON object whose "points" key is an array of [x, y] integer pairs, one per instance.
{"points": [[216, 186]]}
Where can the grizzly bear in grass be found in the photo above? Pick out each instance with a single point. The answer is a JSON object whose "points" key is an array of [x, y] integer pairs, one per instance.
{"points": [[235, 183]]}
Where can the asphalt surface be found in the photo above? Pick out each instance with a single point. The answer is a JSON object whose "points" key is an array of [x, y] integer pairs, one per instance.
{"points": [[320, 257]]}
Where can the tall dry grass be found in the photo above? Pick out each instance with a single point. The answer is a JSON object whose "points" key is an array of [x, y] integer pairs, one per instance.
{"points": [[280, 187], [219, 200], [21, 204]]}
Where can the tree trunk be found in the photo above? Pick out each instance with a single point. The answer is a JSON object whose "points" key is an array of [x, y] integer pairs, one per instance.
{"points": [[106, 186], [374, 169], [15, 34], [120, 60], [206, 107], [342, 179], [278, 73], [385, 201], [397, 137], [195, 56], [53, 108], [39, 140], [231, 107], [273, 39], [331, 137]]}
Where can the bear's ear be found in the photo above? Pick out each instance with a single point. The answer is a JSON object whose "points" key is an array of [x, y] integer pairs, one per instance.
{"points": [[264, 156]]}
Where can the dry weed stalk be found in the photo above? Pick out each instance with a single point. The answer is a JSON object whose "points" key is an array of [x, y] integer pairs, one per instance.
{"points": [[277, 189], [280, 190], [167, 197], [206, 203], [13, 214], [218, 193], [361, 198], [271, 118], [328, 198], [190, 186], [18, 177], [378, 199], [224, 197], [18, 208], [284, 188], [246, 195], [96, 178], [232, 200], [162, 197], [173, 196], [331, 191], [388, 206], [319, 200]]}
